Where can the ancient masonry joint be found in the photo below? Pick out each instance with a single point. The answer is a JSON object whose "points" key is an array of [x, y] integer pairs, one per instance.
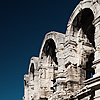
{"points": [[68, 66]]}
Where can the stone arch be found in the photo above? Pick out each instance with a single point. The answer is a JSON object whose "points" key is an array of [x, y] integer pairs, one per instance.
{"points": [[57, 39], [48, 56], [49, 36], [50, 50], [84, 30], [33, 66], [48, 61], [33, 74], [82, 21], [32, 69], [93, 5]]}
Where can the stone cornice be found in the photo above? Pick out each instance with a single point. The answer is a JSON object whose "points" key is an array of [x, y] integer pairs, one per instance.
{"points": [[70, 42], [92, 80]]}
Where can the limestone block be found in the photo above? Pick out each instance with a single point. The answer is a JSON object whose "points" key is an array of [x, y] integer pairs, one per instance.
{"points": [[70, 52], [97, 28], [97, 9], [85, 3], [97, 41], [60, 47], [60, 54], [97, 94], [61, 61], [97, 53], [60, 40], [71, 59], [97, 70], [67, 38], [96, 36]]}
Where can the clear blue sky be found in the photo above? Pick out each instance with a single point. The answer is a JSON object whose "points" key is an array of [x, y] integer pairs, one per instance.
{"points": [[23, 25]]}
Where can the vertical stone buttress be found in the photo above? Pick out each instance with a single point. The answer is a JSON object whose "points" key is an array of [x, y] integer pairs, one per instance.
{"points": [[97, 57]]}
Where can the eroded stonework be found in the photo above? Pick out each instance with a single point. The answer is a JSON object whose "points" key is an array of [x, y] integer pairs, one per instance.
{"points": [[68, 66]]}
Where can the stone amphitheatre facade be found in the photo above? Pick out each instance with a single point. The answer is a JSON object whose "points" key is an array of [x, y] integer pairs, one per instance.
{"points": [[68, 66]]}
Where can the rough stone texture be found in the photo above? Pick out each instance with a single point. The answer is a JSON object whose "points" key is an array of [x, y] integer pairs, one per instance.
{"points": [[68, 66]]}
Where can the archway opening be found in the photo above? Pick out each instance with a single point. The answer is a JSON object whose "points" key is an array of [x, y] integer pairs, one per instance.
{"points": [[49, 56], [49, 50], [32, 69], [84, 21]]}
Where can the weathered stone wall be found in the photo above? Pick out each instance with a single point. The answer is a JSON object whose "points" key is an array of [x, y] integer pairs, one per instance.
{"points": [[68, 66]]}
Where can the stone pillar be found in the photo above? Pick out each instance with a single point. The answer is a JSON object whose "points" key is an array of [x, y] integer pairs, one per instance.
{"points": [[60, 58], [61, 84], [26, 87], [97, 46], [70, 51], [50, 78], [97, 58], [36, 85], [46, 80]]}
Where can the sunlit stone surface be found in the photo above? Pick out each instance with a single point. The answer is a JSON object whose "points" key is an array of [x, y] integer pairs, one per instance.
{"points": [[68, 66]]}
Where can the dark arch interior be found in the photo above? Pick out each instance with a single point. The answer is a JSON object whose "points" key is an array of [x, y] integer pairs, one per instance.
{"points": [[84, 20], [49, 50], [32, 68]]}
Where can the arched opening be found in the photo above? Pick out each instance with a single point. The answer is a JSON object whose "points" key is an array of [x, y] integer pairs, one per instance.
{"points": [[83, 21], [32, 69], [49, 58], [49, 50]]}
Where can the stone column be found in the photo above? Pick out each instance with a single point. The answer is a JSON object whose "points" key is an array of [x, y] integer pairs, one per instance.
{"points": [[26, 87], [60, 58], [97, 46], [70, 50], [97, 58]]}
